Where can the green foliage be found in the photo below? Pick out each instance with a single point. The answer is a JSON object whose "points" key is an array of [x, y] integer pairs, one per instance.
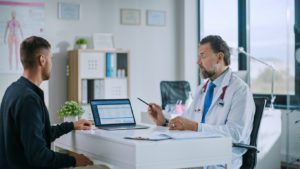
{"points": [[70, 108], [81, 41]]}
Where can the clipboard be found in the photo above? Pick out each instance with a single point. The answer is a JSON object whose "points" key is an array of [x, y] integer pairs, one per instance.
{"points": [[147, 138]]}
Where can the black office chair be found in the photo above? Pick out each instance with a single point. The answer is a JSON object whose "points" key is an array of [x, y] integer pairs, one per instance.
{"points": [[172, 91], [250, 157]]}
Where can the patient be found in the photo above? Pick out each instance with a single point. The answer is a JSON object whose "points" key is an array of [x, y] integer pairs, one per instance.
{"points": [[25, 131]]}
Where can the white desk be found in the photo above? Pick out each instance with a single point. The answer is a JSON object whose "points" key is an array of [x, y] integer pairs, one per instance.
{"points": [[112, 148]]}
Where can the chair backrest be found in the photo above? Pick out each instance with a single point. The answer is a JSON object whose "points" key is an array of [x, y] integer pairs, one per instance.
{"points": [[250, 157], [171, 91]]}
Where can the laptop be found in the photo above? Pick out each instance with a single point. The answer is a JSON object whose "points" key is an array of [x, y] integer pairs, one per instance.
{"points": [[114, 114]]}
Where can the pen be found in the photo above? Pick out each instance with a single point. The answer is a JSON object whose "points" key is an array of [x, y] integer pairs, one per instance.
{"points": [[143, 101]]}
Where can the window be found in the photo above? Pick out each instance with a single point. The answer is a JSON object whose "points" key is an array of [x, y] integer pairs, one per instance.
{"points": [[269, 31], [272, 41], [225, 26]]}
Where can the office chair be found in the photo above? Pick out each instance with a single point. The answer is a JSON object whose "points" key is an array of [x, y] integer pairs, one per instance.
{"points": [[250, 157], [172, 91]]}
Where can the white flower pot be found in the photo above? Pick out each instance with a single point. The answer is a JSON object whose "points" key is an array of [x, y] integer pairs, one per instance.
{"points": [[70, 118], [84, 46]]}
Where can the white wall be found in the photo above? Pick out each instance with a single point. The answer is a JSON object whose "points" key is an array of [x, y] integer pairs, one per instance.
{"points": [[187, 46], [153, 50], [157, 53], [61, 34]]}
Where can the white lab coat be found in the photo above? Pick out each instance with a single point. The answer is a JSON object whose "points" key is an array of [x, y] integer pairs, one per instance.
{"points": [[233, 119]]}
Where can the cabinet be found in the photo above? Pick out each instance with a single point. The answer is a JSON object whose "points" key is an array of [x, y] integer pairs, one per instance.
{"points": [[98, 74]]}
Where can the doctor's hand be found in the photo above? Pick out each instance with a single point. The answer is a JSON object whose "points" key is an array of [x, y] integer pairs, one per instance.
{"points": [[82, 124], [155, 112], [181, 123], [81, 160]]}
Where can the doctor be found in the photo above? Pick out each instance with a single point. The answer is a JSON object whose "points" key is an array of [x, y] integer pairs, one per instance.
{"points": [[223, 104]]}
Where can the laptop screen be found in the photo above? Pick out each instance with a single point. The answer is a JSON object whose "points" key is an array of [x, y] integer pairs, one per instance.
{"points": [[112, 111]]}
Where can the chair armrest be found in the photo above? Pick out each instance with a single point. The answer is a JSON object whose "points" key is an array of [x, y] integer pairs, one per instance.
{"points": [[246, 146]]}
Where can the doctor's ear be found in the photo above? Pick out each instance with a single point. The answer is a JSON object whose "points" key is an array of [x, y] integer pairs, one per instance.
{"points": [[220, 57]]}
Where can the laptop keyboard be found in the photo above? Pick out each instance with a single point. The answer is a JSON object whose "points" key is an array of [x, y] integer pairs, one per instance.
{"points": [[123, 127]]}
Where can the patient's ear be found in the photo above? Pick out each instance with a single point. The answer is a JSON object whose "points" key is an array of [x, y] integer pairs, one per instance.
{"points": [[42, 60]]}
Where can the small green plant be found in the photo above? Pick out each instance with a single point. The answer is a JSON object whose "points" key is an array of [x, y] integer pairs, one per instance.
{"points": [[70, 108], [81, 41]]}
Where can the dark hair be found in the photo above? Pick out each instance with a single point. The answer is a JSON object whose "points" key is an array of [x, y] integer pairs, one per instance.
{"points": [[30, 48], [218, 45]]}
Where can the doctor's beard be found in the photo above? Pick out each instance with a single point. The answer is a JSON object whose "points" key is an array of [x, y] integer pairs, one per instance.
{"points": [[206, 73]]}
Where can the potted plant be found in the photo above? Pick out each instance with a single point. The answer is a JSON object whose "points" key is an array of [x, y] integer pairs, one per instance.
{"points": [[81, 43], [70, 111]]}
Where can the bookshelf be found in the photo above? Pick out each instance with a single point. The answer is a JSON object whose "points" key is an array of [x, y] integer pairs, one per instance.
{"points": [[97, 74]]}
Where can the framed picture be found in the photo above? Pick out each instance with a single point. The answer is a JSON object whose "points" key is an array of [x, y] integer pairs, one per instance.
{"points": [[68, 11], [130, 16], [103, 40], [156, 18]]}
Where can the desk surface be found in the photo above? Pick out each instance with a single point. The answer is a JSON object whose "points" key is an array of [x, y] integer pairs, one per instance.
{"points": [[112, 148]]}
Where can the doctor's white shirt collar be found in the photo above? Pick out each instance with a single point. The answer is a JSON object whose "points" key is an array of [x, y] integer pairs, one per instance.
{"points": [[218, 81]]}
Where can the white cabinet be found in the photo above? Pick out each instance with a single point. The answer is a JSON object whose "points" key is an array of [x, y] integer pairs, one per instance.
{"points": [[98, 74], [92, 65]]}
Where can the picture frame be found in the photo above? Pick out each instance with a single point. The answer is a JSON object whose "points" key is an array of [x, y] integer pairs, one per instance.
{"points": [[156, 18], [68, 11], [103, 41], [130, 16]]}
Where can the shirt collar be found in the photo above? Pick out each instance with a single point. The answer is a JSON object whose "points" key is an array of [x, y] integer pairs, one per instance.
{"points": [[32, 86], [218, 81]]}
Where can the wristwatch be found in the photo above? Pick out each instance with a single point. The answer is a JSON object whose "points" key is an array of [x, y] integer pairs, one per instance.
{"points": [[166, 123]]}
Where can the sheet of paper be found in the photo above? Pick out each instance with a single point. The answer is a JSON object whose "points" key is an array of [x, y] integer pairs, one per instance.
{"points": [[163, 135], [187, 134]]}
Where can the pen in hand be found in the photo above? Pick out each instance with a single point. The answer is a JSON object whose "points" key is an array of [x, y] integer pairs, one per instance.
{"points": [[144, 101]]}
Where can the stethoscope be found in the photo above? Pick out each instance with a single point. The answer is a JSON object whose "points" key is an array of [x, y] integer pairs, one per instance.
{"points": [[221, 97]]}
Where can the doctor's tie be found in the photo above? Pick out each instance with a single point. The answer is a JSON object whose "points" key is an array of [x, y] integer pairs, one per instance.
{"points": [[208, 100]]}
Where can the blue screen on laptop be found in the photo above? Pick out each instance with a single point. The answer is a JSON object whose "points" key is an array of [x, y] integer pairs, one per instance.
{"points": [[108, 112]]}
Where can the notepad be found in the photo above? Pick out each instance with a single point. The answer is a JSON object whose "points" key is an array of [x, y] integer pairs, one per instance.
{"points": [[177, 135]]}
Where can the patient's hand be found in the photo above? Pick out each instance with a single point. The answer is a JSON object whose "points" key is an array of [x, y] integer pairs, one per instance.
{"points": [[82, 124], [81, 160]]}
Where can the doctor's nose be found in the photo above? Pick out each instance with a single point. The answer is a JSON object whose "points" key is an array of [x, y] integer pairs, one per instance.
{"points": [[199, 61]]}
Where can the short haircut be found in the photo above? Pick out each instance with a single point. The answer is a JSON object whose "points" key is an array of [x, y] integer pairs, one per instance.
{"points": [[218, 45], [30, 49]]}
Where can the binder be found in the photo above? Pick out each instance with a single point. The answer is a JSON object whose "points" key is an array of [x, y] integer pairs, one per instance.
{"points": [[97, 89], [111, 64], [90, 84]]}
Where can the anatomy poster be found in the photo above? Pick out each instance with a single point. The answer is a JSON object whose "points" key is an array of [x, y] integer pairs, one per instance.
{"points": [[19, 19]]}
